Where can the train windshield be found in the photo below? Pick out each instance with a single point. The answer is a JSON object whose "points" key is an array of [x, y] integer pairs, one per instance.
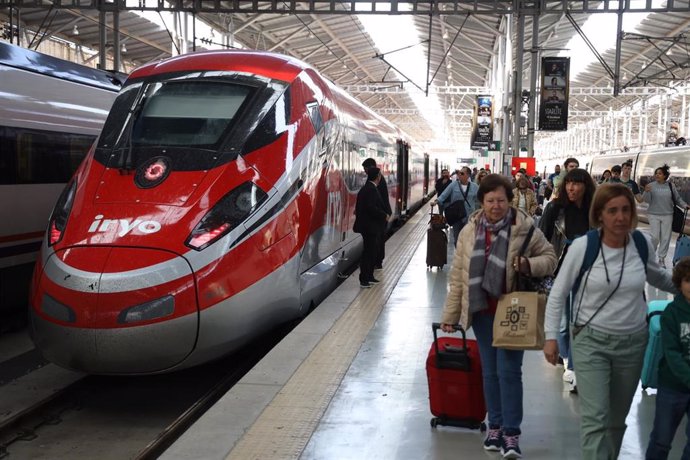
{"points": [[190, 114]]}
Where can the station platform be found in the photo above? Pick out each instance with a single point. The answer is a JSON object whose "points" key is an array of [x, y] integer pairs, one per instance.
{"points": [[350, 382]]}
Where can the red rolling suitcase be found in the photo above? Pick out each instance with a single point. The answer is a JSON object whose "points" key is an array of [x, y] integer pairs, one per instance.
{"points": [[454, 371]]}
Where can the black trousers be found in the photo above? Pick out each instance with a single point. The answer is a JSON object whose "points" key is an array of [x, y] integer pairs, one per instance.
{"points": [[381, 252], [369, 255]]}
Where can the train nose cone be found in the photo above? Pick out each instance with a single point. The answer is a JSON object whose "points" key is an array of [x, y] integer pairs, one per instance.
{"points": [[112, 310]]}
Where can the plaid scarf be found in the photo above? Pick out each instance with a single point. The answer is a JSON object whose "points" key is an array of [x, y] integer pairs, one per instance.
{"points": [[487, 274]]}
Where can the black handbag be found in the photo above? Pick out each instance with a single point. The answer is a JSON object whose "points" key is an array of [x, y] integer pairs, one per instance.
{"points": [[679, 214], [541, 285], [455, 212]]}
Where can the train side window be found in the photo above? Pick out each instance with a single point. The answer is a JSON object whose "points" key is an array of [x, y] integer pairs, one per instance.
{"points": [[40, 157], [273, 124], [315, 116]]}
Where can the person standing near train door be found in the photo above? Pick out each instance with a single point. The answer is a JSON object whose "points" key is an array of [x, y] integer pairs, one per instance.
{"points": [[370, 222], [382, 187]]}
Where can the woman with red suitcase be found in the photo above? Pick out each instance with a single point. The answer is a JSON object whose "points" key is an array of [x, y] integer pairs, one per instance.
{"points": [[484, 268]]}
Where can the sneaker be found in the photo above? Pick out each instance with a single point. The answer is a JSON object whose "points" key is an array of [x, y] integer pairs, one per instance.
{"points": [[374, 281], [568, 376], [493, 440], [364, 284], [573, 386], [510, 447], [378, 267]]}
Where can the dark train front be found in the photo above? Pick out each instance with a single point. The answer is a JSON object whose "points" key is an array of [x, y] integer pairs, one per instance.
{"points": [[207, 212]]}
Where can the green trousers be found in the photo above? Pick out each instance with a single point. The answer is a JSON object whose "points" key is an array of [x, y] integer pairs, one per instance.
{"points": [[608, 369]]}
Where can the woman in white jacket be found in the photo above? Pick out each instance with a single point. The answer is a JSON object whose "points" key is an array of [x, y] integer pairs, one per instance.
{"points": [[608, 323], [483, 269]]}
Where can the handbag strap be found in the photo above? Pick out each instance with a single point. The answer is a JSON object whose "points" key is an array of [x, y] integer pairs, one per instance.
{"points": [[673, 195], [521, 253]]}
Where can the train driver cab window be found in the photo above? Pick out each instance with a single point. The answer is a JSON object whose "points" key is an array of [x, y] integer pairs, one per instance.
{"points": [[315, 115], [192, 114]]}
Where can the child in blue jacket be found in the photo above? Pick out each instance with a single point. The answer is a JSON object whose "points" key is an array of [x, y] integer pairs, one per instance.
{"points": [[673, 395]]}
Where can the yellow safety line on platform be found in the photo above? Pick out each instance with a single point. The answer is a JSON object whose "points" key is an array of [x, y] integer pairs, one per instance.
{"points": [[284, 428]]}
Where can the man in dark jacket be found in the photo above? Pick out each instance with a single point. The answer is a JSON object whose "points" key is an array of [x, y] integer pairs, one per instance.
{"points": [[370, 222], [382, 187]]}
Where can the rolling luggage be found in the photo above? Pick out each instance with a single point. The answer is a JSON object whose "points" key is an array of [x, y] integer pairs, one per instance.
{"points": [[454, 372], [652, 355], [436, 241]]}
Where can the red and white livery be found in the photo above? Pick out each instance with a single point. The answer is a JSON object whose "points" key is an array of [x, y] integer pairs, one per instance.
{"points": [[217, 202]]}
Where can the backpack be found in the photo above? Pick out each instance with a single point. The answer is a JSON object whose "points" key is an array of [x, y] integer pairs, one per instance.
{"points": [[593, 241]]}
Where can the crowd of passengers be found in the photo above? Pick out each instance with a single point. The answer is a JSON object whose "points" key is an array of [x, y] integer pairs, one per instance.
{"points": [[597, 330]]}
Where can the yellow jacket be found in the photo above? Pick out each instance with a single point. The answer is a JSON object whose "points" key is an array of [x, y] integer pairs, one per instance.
{"points": [[530, 200]]}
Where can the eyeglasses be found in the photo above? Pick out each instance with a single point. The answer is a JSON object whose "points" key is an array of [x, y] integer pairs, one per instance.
{"points": [[461, 173]]}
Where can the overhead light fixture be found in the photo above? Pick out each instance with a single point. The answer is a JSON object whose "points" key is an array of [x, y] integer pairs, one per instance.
{"points": [[123, 49], [445, 35], [75, 30], [344, 66]]}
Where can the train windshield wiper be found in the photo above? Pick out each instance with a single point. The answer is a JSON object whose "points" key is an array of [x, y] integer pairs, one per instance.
{"points": [[125, 160]]}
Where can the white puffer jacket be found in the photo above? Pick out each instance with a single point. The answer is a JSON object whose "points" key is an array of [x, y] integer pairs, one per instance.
{"points": [[540, 253]]}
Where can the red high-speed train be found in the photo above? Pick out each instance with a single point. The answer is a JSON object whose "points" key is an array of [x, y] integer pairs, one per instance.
{"points": [[218, 201]]}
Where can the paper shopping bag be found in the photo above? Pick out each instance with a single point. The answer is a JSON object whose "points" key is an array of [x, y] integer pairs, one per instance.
{"points": [[519, 321]]}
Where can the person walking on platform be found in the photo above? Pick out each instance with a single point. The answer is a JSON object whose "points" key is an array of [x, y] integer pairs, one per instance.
{"points": [[383, 192], [569, 164], [565, 218], [370, 222], [605, 272], [462, 189], [673, 393], [441, 184], [523, 197], [621, 175], [662, 196], [483, 269]]}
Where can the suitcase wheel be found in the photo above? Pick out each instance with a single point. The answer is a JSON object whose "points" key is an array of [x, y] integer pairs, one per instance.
{"points": [[434, 422]]}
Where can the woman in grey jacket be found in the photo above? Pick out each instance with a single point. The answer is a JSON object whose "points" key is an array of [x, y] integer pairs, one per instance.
{"points": [[661, 196], [609, 328]]}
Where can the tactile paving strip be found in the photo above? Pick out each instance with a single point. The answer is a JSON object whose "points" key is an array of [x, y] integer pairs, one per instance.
{"points": [[283, 430]]}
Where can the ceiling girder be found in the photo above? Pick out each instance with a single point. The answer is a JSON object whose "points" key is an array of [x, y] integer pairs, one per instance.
{"points": [[376, 7]]}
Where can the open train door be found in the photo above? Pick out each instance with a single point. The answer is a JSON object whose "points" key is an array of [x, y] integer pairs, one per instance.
{"points": [[426, 175], [403, 177]]}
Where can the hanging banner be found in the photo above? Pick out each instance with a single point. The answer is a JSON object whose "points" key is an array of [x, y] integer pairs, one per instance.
{"points": [[482, 123], [553, 110]]}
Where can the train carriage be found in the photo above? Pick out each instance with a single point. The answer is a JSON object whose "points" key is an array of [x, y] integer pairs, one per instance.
{"points": [[218, 201]]}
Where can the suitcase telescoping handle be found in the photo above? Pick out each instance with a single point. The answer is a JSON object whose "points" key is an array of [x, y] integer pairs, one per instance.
{"points": [[457, 327]]}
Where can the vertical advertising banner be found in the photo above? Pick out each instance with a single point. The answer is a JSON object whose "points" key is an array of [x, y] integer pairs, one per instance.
{"points": [[553, 110], [482, 123]]}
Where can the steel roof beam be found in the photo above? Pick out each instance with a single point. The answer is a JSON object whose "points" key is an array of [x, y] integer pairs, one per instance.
{"points": [[373, 7]]}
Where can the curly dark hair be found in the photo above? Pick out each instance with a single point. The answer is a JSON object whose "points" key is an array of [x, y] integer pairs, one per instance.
{"points": [[492, 182], [581, 176], [681, 271], [665, 170]]}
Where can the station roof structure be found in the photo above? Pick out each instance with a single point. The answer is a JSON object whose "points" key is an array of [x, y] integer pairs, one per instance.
{"points": [[460, 41]]}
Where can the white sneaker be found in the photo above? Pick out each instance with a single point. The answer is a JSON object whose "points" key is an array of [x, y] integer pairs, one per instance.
{"points": [[573, 385], [569, 376]]}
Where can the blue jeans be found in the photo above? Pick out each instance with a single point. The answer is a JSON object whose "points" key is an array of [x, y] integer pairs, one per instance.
{"points": [[671, 406], [456, 230], [502, 374], [563, 338]]}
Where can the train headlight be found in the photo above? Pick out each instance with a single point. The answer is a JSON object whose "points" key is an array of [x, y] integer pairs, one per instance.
{"points": [[58, 220], [147, 311], [231, 210]]}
